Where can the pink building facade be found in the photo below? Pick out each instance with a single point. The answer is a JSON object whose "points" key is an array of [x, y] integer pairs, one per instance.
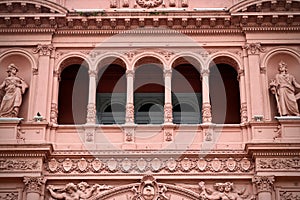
{"points": [[151, 99]]}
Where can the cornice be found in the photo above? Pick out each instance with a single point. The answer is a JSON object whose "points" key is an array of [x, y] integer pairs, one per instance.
{"points": [[27, 30], [25, 150]]}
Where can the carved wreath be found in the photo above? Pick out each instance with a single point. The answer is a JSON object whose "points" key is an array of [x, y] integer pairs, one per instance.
{"points": [[149, 3]]}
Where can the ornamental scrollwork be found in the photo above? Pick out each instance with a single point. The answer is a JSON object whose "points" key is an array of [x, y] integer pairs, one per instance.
{"points": [[149, 3], [254, 48], [44, 49], [33, 184], [289, 195], [9, 196]]}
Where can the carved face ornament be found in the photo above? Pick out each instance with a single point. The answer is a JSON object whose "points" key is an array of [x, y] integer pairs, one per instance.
{"points": [[148, 192]]}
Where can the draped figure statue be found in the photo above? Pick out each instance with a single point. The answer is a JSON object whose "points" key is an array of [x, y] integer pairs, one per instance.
{"points": [[284, 88], [11, 91]]}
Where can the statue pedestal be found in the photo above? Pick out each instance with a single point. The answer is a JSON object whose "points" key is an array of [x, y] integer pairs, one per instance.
{"points": [[290, 128], [9, 129]]}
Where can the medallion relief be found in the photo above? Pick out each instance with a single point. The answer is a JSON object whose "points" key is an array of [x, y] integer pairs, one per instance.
{"points": [[149, 3]]}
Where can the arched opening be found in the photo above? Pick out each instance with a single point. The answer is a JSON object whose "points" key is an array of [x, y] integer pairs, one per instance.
{"points": [[186, 92], [149, 91], [73, 95], [111, 93], [224, 93]]}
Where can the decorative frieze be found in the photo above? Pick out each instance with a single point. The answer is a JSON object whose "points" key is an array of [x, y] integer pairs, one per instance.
{"points": [[289, 195], [278, 164], [152, 165], [20, 164], [9, 196]]}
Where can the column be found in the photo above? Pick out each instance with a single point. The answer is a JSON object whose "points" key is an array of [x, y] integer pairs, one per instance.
{"points": [[33, 187], [129, 98], [54, 102], [256, 100], [243, 109], [206, 107], [264, 186], [91, 107], [50, 86], [168, 111], [42, 87]]}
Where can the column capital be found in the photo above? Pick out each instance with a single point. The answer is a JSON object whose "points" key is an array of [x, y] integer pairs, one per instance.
{"points": [[44, 49], [167, 73], [130, 73], [205, 72], [93, 73], [264, 183], [254, 48], [33, 184]]}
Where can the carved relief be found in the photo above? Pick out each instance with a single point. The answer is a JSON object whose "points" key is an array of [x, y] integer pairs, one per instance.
{"points": [[149, 3], [141, 164], [184, 3], [9, 196], [33, 184], [113, 3], [80, 191], [149, 190], [129, 134], [278, 163], [19, 165], [206, 113], [168, 113], [289, 195], [223, 191], [244, 115], [96, 165], [264, 183], [53, 113], [91, 113], [129, 113]]}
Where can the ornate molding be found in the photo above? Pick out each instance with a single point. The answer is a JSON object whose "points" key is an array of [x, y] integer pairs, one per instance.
{"points": [[20, 164], [263, 183], [54, 113], [244, 113], [33, 184], [44, 49], [151, 165], [290, 164]]}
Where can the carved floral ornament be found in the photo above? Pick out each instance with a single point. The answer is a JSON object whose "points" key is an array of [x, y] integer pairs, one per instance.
{"points": [[149, 3], [154, 165]]}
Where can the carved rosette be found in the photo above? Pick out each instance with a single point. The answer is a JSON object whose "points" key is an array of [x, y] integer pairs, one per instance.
{"points": [[53, 113], [263, 183], [254, 48], [206, 113], [168, 113], [244, 116], [33, 184], [44, 49], [149, 3], [129, 113], [91, 113]]}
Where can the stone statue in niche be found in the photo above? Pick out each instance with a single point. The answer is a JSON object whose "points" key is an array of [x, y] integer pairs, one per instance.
{"points": [[223, 191], [80, 191], [11, 91], [284, 88]]}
